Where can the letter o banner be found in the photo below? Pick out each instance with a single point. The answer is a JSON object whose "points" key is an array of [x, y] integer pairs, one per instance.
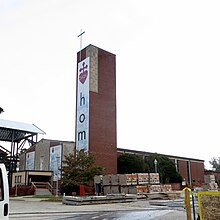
{"points": [[82, 118]]}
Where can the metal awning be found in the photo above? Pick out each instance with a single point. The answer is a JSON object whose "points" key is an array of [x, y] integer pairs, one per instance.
{"points": [[16, 131]]}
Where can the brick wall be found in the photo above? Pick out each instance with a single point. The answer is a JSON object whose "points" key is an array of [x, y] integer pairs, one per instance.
{"points": [[197, 171], [182, 167], [196, 168]]}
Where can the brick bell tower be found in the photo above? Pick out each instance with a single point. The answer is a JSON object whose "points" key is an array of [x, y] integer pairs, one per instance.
{"points": [[96, 106]]}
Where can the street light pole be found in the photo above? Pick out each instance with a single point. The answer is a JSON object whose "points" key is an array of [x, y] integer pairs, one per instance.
{"points": [[57, 187], [155, 164], [57, 183], [16, 179]]}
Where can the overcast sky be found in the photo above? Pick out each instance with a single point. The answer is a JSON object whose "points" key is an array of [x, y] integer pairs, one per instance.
{"points": [[168, 69]]}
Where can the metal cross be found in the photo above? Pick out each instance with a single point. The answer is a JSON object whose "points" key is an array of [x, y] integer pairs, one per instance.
{"points": [[80, 35]]}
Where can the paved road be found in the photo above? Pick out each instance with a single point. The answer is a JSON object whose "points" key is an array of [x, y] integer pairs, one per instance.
{"points": [[119, 215], [40, 210]]}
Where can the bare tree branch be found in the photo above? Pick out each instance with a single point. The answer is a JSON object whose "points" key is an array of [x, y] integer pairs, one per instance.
{"points": [[1, 110]]}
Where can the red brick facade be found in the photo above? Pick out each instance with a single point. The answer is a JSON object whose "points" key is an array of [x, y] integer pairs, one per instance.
{"points": [[196, 168], [102, 112], [197, 171], [183, 170]]}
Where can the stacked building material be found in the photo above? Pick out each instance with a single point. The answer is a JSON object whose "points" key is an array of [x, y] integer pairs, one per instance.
{"points": [[110, 184], [115, 184], [154, 178], [106, 183], [166, 187], [128, 183], [143, 178], [127, 179], [155, 188], [210, 181], [142, 189]]}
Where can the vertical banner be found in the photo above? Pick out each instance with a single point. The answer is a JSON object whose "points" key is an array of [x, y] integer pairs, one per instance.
{"points": [[82, 108], [55, 161], [30, 160]]}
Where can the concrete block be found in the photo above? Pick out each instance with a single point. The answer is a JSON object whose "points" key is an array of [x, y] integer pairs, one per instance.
{"points": [[114, 189], [122, 179], [114, 179], [106, 190], [124, 189], [132, 189], [106, 180]]}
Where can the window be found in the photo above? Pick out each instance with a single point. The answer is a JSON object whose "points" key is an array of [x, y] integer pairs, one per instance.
{"points": [[17, 179]]}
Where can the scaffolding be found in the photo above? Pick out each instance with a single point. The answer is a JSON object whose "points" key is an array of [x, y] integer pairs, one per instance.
{"points": [[17, 134]]}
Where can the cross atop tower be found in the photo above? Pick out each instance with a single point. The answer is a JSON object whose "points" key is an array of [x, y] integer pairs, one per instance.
{"points": [[80, 35]]}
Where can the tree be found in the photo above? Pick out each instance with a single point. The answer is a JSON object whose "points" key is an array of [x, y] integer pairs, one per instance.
{"points": [[1, 110], [165, 167], [131, 163], [215, 162], [79, 169]]}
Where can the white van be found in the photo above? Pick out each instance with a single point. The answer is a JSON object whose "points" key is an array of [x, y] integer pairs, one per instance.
{"points": [[4, 193]]}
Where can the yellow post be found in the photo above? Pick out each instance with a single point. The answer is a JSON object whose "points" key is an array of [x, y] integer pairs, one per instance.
{"points": [[187, 203]]}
